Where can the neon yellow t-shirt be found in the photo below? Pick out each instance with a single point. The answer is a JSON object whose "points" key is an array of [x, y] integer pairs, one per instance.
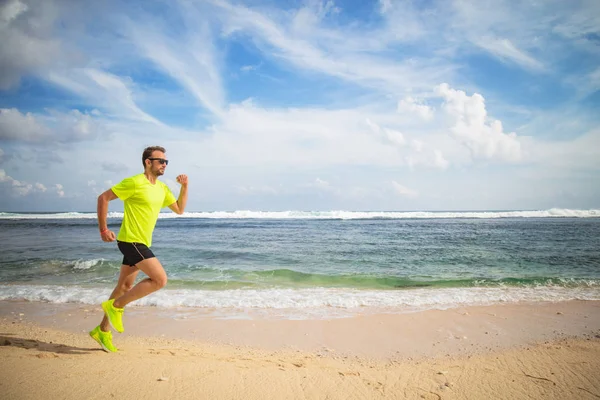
{"points": [[143, 202]]}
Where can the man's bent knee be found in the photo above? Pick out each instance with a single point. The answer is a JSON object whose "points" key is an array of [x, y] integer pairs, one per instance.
{"points": [[155, 272]]}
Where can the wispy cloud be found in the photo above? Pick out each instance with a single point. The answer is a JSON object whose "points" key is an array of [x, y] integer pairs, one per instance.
{"points": [[190, 59], [328, 52], [102, 89], [506, 50]]}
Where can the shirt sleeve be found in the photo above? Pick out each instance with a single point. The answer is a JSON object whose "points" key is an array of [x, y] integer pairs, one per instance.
{"points": [[124, 189], [169, 198]]}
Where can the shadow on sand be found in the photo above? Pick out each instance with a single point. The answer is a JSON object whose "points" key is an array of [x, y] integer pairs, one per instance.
{"points": [[7, 339]]}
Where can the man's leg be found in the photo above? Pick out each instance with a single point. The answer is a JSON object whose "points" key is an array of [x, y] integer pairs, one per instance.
{"points": [[157, 279], [126, 281]]}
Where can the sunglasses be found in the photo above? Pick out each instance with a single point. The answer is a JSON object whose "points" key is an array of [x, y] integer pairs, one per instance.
{"points": [[160, 160]]}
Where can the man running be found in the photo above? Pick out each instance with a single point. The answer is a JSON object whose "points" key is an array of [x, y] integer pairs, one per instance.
{"points": [[143, 196]]}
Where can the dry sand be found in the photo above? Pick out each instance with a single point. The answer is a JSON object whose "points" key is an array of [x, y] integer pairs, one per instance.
{"points": [[542, 351]]}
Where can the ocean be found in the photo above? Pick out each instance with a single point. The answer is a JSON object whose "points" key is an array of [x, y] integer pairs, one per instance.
{"points": [[299, 265]]}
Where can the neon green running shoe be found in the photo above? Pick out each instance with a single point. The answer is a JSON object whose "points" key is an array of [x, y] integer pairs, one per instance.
{"points": [[104, 339], [114, 314]]}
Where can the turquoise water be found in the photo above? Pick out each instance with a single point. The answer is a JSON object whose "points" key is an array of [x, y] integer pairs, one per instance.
{"points": [[322, 263]]}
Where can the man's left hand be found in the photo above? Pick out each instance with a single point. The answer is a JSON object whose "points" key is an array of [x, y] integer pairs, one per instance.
{"points": [[182, 180]]}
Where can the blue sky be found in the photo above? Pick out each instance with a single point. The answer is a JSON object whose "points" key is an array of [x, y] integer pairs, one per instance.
{"points": [[304, 105]]}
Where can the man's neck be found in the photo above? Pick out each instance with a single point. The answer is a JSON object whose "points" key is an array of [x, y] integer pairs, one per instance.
{"points": [[151, 177]]}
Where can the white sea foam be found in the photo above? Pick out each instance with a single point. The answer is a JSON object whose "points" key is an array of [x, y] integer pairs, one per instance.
{"points": [[313, 302], [87, 264], [551, 213]]}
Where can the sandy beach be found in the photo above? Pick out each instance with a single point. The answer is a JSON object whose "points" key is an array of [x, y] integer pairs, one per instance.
{"points": [[524, 351]]}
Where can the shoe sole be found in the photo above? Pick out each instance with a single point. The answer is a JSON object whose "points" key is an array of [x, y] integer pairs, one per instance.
{"points": [[109, 321]]}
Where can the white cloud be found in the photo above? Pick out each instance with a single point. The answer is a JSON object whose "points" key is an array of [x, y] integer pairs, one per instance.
{"points": [[59, 190], [413, 106], [76, 126], [428, 158], [342, 54], [191, 59], [19, 188], [103, 89], [506, 50], [403, 191], [387, 135], [11, 10], [484, 137], [27, 46], [54, 126], [16, 126]]}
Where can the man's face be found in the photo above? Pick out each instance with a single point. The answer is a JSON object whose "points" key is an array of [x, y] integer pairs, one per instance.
{"points": [[158, 166]]}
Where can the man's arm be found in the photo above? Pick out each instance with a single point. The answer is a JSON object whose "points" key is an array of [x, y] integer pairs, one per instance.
{"points": [[106, 234], [179, 206]]}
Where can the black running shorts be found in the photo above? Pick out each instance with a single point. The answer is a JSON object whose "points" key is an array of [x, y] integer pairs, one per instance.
{"points": [[133, 253]]}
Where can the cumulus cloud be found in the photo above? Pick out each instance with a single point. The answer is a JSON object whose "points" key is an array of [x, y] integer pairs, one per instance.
{"points": [[484, 137], [19, 188], [59, 190], [415, 107], [73, 126], [430, 158], [15, 126]]}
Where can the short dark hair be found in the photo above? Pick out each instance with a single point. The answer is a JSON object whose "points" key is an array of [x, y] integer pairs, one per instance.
{"points": [[148, 153]]}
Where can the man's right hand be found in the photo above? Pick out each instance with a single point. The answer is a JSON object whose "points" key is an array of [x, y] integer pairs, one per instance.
{"points": [[108, 236]]}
